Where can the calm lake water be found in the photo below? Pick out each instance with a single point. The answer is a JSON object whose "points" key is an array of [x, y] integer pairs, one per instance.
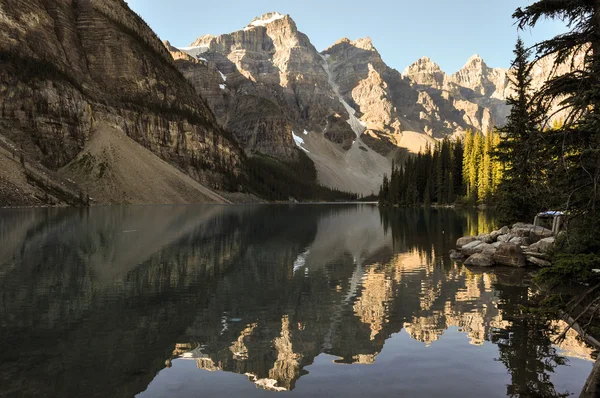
{"points": [[254, 301]]}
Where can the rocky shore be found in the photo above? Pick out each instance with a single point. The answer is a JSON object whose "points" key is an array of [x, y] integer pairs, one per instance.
{"points": [[519, 246]]}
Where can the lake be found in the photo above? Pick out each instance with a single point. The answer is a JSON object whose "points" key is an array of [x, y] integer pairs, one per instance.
{"points": [[258, 301]]}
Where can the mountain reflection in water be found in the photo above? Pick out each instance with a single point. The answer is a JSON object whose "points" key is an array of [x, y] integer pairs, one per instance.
{"points": [[116, 301]]}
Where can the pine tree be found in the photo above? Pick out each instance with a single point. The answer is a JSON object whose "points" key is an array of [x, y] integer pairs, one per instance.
{"points": [[496, 165], [468, 153], [519, 144], [474, 167], [577, 143]]}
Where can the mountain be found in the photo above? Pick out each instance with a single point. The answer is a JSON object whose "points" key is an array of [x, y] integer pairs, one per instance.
{"points": [[95, 104], [344, 107], [92, 99]]}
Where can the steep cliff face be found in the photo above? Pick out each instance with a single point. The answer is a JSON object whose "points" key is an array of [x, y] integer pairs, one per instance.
{"points": [[479, 92], [473, 97], [70, 66], [271, 82]]}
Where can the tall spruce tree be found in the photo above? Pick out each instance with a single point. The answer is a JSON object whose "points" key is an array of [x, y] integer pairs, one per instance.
{"points": [[519, 144], [576, 143]]}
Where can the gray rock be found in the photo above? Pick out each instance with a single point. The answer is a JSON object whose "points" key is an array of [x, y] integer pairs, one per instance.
{"points": [[543, 256], [476, 247], [504, 230], [538, 261], [504, 238], [497, 244], [510, 255], [485, 238], [543, 246], [480, 260], [530, 231], [520, 241], [465, 240], [456, 255], [495, 234]]}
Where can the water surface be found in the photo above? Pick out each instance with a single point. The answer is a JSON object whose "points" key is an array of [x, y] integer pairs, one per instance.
{"points": [[340, 300]]}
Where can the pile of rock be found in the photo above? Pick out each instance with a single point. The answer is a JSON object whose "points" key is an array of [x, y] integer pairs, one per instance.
{"points": [[518, 246]]}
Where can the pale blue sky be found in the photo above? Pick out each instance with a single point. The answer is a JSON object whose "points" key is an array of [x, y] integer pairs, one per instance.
{"points": [[447, 31]]}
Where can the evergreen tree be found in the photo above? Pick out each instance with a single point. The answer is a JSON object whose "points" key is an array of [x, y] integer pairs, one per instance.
{"points": [[519, 144], [576, 144], [475, 170], [467, 160]]}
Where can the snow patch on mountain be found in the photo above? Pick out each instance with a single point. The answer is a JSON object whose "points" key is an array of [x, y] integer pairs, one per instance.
{"points": [[265, 20], [299, 142], [355, 123]]}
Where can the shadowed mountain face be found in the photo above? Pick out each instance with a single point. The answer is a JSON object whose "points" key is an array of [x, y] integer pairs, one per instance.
{"points": [[72, 70], [119, 301]]}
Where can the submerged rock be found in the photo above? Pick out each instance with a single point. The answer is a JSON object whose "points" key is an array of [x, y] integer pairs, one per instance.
{"points": [[510, 255]]}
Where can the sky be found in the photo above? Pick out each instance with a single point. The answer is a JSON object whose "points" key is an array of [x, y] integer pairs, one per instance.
{"points": [[447, 31]]}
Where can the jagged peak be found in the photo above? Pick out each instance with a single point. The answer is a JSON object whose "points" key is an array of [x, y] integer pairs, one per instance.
{"points": [[342, 40], [422, 64], [266, 19], [474, 60], [428, 62], [364, 43], [202, 40]]}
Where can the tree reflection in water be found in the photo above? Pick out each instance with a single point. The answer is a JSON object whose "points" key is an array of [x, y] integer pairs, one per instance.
{"points": [[96, 302], [525, 346]]}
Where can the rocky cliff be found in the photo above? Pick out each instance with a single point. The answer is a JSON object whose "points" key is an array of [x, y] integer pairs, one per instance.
{"points": [[344, 107], [71, 66]]}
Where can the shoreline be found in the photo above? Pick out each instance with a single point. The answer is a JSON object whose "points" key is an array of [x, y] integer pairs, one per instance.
{"points": [[63, 206]]}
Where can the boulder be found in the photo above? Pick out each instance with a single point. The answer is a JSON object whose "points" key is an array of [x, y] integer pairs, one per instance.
{"points": [[530, 231], [495, 234], [504, 230], [539, 233], [476, 246], [543, 256], [510, 255], [456, 255], [519, 241], [538, 261], [497, 244], [505, 238], [543, 246], [464, 241], [522, 225], [469, 248], [480, 260], [485, 238]]}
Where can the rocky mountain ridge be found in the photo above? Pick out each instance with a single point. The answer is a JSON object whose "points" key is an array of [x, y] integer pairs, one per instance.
{"points": [[75, 69], [89, 90], [344, 107]]}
